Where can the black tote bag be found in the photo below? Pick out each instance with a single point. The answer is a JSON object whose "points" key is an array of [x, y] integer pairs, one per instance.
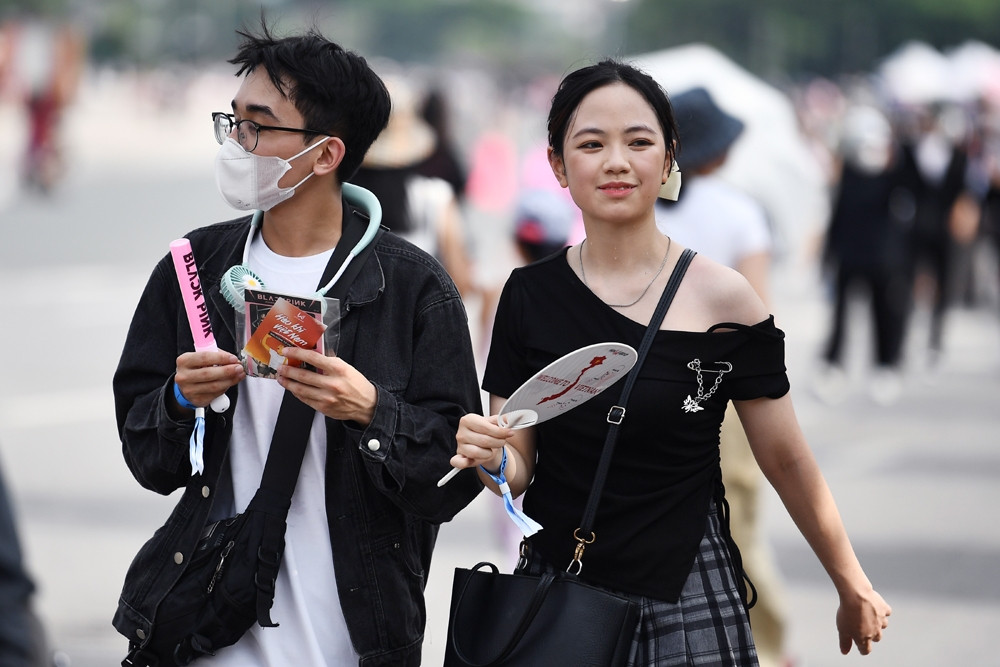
{"points": [[548, 621]]}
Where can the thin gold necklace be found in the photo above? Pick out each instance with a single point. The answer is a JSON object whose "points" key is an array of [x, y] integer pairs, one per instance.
{"points": [[583, 274]]}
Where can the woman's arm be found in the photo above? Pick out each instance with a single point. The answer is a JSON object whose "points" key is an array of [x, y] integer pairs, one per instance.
{"points": [[481, 441], [784, 456]]}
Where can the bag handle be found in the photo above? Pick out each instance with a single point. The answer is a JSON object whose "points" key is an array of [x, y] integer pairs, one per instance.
{"points": [[584, 535], [534, 605]]}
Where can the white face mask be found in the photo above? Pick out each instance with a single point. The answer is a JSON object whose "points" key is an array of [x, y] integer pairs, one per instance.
{"points": [[249, 181]]}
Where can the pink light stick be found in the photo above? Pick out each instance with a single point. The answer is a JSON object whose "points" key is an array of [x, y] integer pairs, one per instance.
{"points": [[195, 305]]}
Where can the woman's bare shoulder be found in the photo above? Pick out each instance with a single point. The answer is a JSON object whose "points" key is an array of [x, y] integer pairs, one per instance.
{"points": [[723, 293]]}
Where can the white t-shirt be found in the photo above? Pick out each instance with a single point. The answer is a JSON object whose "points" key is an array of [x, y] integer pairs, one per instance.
{"points": [[427, 199], [717, 220], [312, 631]]}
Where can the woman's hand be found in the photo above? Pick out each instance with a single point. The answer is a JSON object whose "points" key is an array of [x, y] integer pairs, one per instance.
{"points": [[861, 618], [203, 376], [480, 442], [338, 390]]}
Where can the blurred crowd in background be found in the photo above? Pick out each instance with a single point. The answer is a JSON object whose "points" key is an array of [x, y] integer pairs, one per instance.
{"points": [[889, 179], [912, 154], [886, 181]]}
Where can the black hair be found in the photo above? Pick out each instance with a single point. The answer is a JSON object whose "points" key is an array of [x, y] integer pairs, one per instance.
{"points": [[334, 89], [389, 185], [534, 252], [578, 84]]}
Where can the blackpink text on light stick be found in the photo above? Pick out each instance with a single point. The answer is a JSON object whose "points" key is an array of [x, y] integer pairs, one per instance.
{"points": [[195, 305]]}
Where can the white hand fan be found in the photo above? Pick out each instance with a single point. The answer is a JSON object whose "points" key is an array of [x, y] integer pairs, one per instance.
{"points": [[566, 383]]}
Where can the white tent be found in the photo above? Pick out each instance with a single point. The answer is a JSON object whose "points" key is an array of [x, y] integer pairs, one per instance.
{"points": [[771, 160], [975, 68], [918, 74]]}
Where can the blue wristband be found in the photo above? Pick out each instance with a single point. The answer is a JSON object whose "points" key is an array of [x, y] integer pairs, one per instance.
{"points": [[498, 477], [181, 401], [524, 523]]}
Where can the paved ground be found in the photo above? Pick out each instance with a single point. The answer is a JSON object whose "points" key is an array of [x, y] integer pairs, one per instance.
{"points": [[917, 481]]}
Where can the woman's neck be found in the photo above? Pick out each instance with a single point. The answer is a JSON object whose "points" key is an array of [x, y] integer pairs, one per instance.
{"points": [[610, 251]]}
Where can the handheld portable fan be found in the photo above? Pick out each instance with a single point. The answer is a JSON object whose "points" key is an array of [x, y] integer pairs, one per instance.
{"points": [[241, 277]]}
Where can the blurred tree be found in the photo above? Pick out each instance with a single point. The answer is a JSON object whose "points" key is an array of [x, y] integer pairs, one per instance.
{"points": [[773, 38], [12, 7], [504, 34]]}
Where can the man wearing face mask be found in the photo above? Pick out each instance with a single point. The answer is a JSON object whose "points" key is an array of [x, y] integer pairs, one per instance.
{"points": [[366, 508]]}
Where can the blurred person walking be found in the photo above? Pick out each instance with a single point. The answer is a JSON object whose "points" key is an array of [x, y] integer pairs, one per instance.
{"points": [[661, 532], [543, 222], [422, 209], [726, 224], [991, 199], [866, 250], [22, 637], [46, 58], [444, 161], [937, 164], [544, 219]]}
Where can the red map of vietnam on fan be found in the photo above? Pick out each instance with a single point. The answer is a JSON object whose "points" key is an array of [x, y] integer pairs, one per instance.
{"points": [[567, 382]]}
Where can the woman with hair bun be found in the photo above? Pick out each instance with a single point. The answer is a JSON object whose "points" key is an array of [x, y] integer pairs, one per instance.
{"points": [[661, 531]]}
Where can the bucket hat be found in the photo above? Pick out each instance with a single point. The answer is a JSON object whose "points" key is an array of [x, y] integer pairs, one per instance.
{"points": [[706, 131]]}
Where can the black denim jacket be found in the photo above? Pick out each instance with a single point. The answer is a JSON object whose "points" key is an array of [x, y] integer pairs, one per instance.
{"points": [[405, 328]]}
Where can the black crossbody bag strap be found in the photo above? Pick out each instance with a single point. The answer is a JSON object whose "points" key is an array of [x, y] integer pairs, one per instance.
{"points": [[295, 418], [294, 422], [617, 413]]}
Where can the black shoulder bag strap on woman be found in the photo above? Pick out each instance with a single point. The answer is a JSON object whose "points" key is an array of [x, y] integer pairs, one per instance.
{"points": [[584, 535], [554, 618]]}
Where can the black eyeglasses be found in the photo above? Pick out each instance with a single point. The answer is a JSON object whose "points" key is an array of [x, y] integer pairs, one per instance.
{"points": [[247, 131]]}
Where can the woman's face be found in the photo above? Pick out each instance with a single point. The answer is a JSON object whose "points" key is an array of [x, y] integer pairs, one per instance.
{"points": [[614, 155]]}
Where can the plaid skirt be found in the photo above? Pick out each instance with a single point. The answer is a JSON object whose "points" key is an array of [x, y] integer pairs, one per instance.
{"points": [[708, 625]]}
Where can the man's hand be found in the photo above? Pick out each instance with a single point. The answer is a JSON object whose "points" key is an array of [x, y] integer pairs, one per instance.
{"points": [[338, 390], [202, 376]]}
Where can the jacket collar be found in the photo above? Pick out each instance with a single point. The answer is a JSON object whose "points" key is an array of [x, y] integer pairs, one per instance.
{"points": [[370, 281], [365, 288]]}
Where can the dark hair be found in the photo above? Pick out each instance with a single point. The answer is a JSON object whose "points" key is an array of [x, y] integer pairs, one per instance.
{"points": [[533, 252], [577, 85], [389, 185], [334, 89]]}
